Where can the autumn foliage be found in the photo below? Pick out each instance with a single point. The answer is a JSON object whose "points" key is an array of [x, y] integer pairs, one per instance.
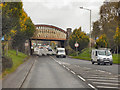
{"points": [[117, 36], [80, 37], [102, 42]]}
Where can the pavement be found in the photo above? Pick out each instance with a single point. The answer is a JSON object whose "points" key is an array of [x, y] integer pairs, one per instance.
{"points": [[15, 79]]}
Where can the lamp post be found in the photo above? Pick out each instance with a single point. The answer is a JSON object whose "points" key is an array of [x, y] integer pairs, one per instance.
{"points": [[90, 21]]}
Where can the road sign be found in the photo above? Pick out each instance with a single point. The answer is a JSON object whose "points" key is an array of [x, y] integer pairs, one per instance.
{"points": [[76, 44]]}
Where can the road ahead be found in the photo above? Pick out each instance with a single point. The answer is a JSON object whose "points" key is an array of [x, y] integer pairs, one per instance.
{"points": [[52, 72], [46, 73]]}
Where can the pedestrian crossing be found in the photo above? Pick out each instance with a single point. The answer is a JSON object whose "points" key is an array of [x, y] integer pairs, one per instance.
{"points": [[98, 78]]}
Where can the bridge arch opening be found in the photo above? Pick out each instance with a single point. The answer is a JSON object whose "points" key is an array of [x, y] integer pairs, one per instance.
{"points": [[48, 33]]}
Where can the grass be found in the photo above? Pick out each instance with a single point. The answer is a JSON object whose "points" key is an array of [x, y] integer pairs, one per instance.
{"points": [[85, 55], [17, 61], [116, 58]]}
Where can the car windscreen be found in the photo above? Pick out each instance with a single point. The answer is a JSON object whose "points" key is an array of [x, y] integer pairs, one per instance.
{"points": [[108, 53], [61, 51], [104, 52], [101, 53]]}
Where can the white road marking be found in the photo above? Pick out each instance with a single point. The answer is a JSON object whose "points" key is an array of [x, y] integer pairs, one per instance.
{"points": [[91, 86], [64, 66], [106, 83], [105, 87], [87, 68], [103, 80], [101, 71], [81, 77], [59, 63], [72, 72], [67, 68]]}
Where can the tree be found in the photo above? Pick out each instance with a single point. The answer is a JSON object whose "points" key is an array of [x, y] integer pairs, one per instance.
{"points": [[96, 29], [102, 42], [24, 31], [109, 20], [11, 12], [80, 37], [16, 24], [117, 38]]}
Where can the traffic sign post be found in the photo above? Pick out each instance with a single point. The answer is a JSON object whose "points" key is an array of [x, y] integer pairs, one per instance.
{"points": [[76, 45]]}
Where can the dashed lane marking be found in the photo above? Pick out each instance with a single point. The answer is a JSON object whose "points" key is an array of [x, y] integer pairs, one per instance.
{"points": [[91, 86], [67, 68], [64, 66], [75, 73], [72, 72], [81, 77]]}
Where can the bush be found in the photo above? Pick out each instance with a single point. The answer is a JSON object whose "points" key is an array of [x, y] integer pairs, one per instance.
{"points": [[6, 63], [69, 50]]}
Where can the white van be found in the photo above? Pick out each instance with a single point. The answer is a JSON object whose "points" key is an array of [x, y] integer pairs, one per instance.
{"points": [[101, 56], [60, 53]]}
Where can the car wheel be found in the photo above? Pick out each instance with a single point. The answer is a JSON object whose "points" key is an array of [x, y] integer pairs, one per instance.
{"points": [[98, 63], [104, 63], [111, 63], [92, 61]]}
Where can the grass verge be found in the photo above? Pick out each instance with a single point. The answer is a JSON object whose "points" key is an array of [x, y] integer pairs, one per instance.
{"points": [[85, 55], [116, 58], [17, 61]]}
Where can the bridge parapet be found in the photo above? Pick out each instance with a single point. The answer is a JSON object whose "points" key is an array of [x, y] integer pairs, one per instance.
{"points": [[49, 32]]}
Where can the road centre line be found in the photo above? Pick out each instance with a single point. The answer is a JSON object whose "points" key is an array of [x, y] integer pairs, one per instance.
{"points": [[72, 72], [81, 77], [64, 66], [91, 86], [75, 74], [67, 68]]}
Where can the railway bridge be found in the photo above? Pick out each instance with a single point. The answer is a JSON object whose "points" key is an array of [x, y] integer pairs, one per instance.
{"points": [[50, 33]]}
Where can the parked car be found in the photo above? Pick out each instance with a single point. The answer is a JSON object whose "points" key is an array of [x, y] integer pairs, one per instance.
{"points": [[61, 53], [101, 56]]}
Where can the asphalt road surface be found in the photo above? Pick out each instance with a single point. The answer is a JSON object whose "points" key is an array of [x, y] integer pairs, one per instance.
{"points": [[99, 76], [46, 73], [52, 72]]}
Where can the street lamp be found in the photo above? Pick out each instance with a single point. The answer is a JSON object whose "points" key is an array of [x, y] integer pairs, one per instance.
{"points": [[90, 21]]}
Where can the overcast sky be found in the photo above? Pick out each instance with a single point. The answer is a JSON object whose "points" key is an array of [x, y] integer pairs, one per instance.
{"points": [[63, 13]]}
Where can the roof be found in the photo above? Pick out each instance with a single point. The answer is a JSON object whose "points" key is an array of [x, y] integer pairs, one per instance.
{"points": [[51, 26]]}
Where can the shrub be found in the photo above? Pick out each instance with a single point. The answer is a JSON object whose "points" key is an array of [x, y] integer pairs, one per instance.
{"points": [[6, 63]]}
